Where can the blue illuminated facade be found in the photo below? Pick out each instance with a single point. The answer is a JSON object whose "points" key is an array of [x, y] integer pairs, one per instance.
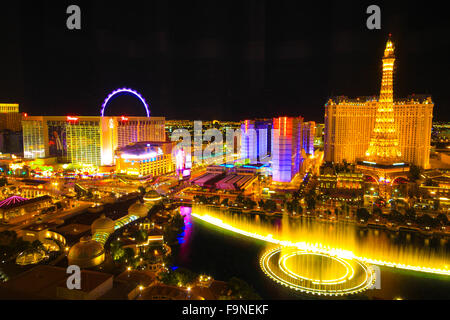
{"points": [[256, 139], [287, 144], [308, 134]]}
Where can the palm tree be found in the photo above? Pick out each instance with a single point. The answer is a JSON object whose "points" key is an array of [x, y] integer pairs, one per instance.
{"points": [[442, 218], [116, 250], [140, 236], [37, 246], [129, 255]]}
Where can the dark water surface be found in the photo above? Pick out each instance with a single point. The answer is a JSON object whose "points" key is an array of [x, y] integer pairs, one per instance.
{"points": [[222, 254]]}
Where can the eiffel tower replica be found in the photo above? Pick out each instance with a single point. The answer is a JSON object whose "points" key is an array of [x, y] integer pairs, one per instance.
{"points": [[383, 159]]}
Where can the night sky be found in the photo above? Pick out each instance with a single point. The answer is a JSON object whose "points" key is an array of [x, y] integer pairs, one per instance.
{"points": [[224, 60]]}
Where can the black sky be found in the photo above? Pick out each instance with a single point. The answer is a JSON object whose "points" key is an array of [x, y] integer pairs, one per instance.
{"points": [[209, 59]]}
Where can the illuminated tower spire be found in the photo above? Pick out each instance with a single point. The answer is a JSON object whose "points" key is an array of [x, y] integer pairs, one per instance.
{"points": [[384, 144]]}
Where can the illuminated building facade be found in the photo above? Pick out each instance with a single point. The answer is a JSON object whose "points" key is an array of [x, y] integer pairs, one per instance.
{"points": [[17, 209], [34, 144], [84, 143], [346, 186], [86, 140], [144, 159], [255, 139], [10, 128], [287, 146], [10, 117], [349, 124], [308, 135], [9, 108], [319, 133]]}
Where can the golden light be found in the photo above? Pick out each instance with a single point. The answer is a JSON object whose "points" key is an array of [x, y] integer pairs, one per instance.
{"points": [[341, 243]]}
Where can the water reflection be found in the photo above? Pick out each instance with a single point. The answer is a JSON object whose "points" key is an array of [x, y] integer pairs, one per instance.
{"points": [[184, 238], [398, 248]]}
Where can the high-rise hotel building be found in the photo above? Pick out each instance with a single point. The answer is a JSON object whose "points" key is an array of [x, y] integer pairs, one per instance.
{"points": [[256, 139], [308, 135], [10, 117], [287, 145], [87, 140], [349, 124]]}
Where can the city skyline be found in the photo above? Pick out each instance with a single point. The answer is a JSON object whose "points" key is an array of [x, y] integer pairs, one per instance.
{"points": [[223, 75], [308, 157]]}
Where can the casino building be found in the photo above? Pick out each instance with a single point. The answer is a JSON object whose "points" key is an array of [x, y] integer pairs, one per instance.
{"points": [[256, 139], [144, 159], [86, 140], [350, 123], [287, 146]]}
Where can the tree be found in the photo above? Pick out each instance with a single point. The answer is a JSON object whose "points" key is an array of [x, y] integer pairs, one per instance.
{"points": [[377, 212], [37, 245], [426, 221], [270, 206], [410, 214], [442, 218], [140, 236], [128, 255], [396, 216], [178, 222], [429, 183], [241, 290], [249, 203], [142, 190], [261, 203], [168, 278], [414, 172], [362, 214], [116, 250], [180, 277], [436, 205], [288, 206], [214, 199], [239, 199], [310, 202], [185, 277]]}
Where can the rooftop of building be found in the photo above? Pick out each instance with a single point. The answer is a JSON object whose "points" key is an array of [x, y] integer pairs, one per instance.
{"points": [[16, 202], [74, 229], [103, 223], [90, 118], [42, 281], [86, 249], [41, 226], [413, 98], [144, 147], [34, 182]]}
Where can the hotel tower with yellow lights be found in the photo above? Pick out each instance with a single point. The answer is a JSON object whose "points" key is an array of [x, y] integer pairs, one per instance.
{"points": [[379, 129]]}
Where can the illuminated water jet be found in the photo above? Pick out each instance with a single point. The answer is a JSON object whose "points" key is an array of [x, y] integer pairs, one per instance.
{"points": [[316, 273], [336, 240]]}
